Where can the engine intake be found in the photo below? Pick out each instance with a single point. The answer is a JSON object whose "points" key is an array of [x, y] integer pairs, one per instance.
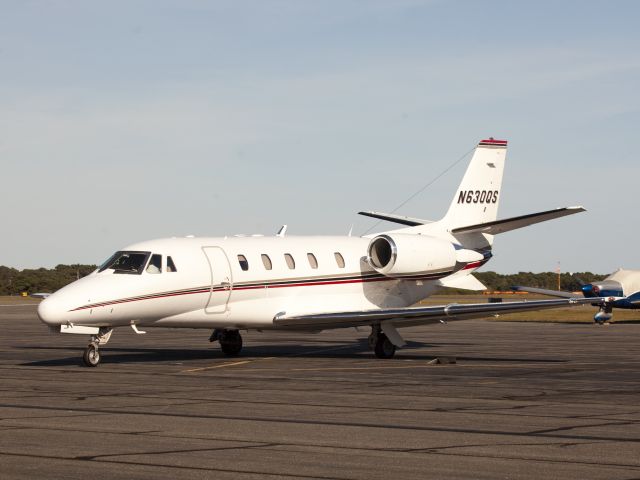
{"points": [[382, 252]]}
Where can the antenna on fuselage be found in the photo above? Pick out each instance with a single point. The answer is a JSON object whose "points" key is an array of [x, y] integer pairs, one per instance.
{"points": [[282, 231]]}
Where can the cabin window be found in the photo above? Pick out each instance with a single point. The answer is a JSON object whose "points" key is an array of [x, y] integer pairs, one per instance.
{"points": [[266, 261], [155, 264], [126, 262], [171, 267], [312, 260], [244, 264], [339, 259], [291, 263]]}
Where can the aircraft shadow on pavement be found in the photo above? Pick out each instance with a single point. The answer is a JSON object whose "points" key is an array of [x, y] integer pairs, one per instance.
{"points": [[350, 350], [172, 355], [126, 355]]}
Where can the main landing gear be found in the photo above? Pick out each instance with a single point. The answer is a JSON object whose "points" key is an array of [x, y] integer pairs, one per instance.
{"points": [[91, 356], [604, 314], [380, 343], [230, 341]]}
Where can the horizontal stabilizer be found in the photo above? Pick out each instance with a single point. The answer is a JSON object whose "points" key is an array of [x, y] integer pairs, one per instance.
{"points": [[542, 291], [513, 223], [389, 217], [465, 282]]}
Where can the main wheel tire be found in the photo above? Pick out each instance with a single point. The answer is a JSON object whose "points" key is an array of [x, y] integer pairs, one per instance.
{"points": [[91, 357], [231, 343], [384, 347]]}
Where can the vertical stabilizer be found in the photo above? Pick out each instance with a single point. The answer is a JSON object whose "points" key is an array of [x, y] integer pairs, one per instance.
{"points": [[477, 198]]}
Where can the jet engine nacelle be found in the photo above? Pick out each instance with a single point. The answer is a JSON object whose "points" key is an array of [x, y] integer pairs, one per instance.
{"points": [[400, 255]]}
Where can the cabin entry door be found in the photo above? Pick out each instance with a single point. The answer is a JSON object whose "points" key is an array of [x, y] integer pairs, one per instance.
{"points": [[221, 280]]}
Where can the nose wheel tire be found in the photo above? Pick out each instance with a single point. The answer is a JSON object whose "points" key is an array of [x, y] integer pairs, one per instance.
{"points": [[230, 342], [91, 357], [384, 348]]}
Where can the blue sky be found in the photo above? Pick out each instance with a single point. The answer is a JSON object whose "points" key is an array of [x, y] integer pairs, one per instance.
{"points": [[125, 121]]}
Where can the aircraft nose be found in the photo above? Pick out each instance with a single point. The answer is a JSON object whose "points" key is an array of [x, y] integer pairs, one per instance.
{"points": [[588, 290], [51, 312]]}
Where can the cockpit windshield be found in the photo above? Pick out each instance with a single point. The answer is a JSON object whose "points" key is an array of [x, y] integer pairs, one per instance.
{"points": [[126, 262]]}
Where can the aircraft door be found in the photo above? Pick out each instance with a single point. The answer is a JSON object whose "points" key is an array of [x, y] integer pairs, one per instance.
{"points": [[221, 280]]}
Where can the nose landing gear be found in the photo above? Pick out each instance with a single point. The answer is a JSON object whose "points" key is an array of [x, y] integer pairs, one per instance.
{"points": [[91, 356]]}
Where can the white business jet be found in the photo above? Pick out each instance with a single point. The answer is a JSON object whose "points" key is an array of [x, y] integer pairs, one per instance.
{"points": [[309, 283]]}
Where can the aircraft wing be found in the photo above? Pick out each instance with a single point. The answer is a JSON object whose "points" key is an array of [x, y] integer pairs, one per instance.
{"points": [[404, 317], [508, 224], [543, 291]]}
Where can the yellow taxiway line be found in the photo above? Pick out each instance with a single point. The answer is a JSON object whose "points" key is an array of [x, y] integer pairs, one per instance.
{"points": [[244, 362], [223, 365]]}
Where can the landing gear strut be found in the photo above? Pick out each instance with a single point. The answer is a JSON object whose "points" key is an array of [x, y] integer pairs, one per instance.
{"points": [[230, 341], [380, 344], [91, 356]]}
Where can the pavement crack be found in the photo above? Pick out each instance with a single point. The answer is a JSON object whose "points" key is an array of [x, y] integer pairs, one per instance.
{"points": [[574, 427], [168, 452], [372, 425]]}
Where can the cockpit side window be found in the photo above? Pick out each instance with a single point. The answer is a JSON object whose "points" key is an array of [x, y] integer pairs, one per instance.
{"points": [[126, 262], [171, 267], [155, 264]]}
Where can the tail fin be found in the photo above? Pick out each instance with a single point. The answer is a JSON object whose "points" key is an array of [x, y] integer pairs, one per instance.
{"points": [[472, 215], [477, 199]]}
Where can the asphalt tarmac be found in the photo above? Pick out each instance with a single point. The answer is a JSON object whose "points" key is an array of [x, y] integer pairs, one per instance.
{"points": [[523, 401]]}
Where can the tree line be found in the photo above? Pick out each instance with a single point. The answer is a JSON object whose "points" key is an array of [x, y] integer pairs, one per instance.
{"points": [[570, 282], [14, 282]]}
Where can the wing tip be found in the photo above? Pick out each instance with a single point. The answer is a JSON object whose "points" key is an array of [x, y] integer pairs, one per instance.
{"points": [[577, 208]]}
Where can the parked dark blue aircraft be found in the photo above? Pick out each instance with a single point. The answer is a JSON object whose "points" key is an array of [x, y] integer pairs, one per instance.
{"points": [[621, 288]]}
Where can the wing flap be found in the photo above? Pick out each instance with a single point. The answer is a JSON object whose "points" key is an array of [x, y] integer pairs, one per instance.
{"points": [[513, 223], [421, 315]]}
